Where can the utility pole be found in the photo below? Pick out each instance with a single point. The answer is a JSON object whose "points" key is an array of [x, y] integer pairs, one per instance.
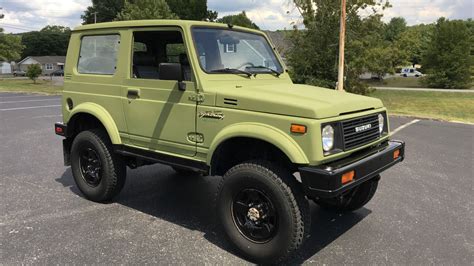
{"points": [[342, 35], [95, 17]]}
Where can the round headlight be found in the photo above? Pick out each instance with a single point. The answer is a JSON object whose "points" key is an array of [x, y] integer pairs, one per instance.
{"points": [[381, 123], [328, 138]]}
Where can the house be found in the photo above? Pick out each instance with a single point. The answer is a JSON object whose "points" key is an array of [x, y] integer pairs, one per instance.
{"points": [[5, 67], [48, 64]]}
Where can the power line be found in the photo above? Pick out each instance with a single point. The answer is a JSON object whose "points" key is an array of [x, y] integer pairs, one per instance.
{"points": [[21, 26], [17, 28]]}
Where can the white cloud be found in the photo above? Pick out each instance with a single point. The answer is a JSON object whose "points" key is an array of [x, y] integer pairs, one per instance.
{"points": [[26, 15]]}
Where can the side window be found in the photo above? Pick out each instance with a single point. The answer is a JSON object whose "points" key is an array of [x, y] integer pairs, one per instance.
{"points": [[139, 47], [173, 51], [98, 54], [154, 48]]}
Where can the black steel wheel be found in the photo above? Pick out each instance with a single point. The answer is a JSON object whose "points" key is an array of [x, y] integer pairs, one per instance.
{"points": [[254, 215], [91, 166], [99, 172], [263, 211]]}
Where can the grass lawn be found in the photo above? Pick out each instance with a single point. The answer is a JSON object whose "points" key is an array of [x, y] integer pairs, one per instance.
{"points": [[26, 85], [450, 106], [397, 82]]}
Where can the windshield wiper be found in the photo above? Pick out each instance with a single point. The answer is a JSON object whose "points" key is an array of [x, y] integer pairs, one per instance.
{"points": [[267, 68], [231, 71]]}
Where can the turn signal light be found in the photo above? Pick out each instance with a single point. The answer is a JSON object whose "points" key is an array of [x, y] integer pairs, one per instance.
{"points": [[396, 154], [59, 130], [299, 129], [347, 177]]}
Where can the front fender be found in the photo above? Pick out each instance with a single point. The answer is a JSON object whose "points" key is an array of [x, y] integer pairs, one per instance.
{"points": [[262, 132], [102, 115]]}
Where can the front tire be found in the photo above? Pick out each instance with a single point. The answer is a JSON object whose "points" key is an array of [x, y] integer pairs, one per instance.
{"points": [[354, 199], [99, 173], [263, 211]]}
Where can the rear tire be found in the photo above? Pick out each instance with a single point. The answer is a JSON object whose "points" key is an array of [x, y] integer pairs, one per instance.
{"points": [[354, 199], [99, 172], [263, 211]]}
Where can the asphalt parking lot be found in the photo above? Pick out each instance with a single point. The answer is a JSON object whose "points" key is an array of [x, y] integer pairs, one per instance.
{"points": [[423, 212]]}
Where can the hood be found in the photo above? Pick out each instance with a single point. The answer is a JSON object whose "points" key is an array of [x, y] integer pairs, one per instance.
{"points": [[294, 100]]}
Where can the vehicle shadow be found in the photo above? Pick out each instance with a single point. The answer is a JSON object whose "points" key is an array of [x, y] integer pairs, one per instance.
{"points": [[188, 201]]}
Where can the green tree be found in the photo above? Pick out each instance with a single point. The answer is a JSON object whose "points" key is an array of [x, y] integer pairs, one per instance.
{"points": [[10, 47], [448, 58], [104, 10], [51, 40], [413, 42], [240, 19], [394, 28], [212, 15], [191, 9], [33, 72], [314, 56], [146, 9]]}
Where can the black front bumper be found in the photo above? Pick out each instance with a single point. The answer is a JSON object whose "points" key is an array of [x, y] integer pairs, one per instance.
{"points": [[324, 181]]}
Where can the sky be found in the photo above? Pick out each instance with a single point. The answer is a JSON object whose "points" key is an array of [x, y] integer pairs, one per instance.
{"points": [[28, 15]]}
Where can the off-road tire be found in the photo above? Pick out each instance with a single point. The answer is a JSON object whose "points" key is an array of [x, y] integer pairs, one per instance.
{"points": [[288, 199], [353, 200], [113, 168]]}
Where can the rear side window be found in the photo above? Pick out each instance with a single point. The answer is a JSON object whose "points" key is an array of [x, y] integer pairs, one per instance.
{"points": [[98, 54]]}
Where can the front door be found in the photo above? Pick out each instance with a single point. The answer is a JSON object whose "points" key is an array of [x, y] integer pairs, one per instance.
{"points": [[159, 116]]}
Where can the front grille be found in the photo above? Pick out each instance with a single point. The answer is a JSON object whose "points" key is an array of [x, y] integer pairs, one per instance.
{"points": [[352, 138]]}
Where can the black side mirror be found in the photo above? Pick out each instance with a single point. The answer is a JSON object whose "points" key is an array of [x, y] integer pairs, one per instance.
{"points": [[172, 71]]}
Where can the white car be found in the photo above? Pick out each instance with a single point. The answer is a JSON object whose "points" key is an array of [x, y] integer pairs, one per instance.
{"points": [[411, 72]]}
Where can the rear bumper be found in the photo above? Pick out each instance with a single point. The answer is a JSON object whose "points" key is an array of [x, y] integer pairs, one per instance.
{"points": [[324, 181], [61, 130]]}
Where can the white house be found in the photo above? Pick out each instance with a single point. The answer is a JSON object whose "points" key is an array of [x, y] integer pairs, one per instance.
{"points": [[48, 64], [5, 68]]}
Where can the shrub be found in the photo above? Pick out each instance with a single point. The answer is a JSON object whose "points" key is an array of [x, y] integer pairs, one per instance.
{"points": [[33, 72]]}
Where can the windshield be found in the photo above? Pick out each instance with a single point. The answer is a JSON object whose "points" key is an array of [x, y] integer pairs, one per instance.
{"points": [[225, 49]]}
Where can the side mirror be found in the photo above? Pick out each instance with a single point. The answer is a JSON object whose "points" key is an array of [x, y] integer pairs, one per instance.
{"points": [[172, 71]]}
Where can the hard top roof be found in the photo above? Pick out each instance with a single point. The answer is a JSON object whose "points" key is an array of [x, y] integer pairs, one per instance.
{"points": [[156, 22]]}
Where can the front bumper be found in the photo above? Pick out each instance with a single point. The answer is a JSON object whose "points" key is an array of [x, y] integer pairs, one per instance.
{"points": [[324, 181]]}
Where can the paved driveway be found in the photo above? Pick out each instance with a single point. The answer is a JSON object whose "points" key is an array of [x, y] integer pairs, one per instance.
{"points": [[422, 213]]}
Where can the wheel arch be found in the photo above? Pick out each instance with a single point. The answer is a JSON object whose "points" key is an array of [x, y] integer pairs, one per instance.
{"points": [[100, 114], [262, 134]]}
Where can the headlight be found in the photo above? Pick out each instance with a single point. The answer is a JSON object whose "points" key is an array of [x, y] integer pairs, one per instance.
{"points": [[328, 138], [381, 123]]}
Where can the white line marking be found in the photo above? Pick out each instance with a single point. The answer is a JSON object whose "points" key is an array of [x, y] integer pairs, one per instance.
{"points": [[45, 116], [32, 101], [30, 96], [405, 126], [32, 107]]}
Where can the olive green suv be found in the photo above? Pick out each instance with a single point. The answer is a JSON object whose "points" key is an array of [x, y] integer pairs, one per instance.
{"points": [[215, 99]]}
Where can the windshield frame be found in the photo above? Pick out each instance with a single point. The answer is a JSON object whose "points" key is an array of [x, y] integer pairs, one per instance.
{"points": [[250, 31]]}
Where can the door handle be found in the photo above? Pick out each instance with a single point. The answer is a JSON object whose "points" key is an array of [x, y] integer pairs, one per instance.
{"points": [[133, 93]]}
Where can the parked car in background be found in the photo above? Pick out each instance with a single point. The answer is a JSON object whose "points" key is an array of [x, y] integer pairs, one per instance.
{"points": [[19, 73], [410, 72], [57, 73]]}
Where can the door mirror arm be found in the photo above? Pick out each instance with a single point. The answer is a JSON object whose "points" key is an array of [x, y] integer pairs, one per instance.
{"points": [[181, 85]]}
